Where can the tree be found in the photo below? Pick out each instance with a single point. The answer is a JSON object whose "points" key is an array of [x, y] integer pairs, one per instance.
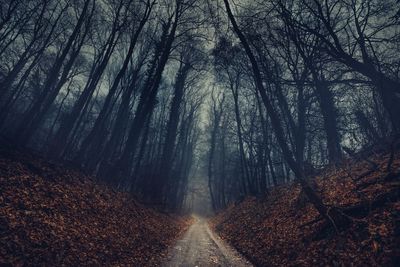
{"points": [[328, 214], [53, 84]]}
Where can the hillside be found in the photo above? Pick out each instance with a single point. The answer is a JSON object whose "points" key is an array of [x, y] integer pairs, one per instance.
{"points": [[284, 229], [53, 216]]}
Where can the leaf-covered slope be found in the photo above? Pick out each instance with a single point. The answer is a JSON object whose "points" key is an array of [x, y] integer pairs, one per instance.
{"points": [[285, 230], [52, 216]]}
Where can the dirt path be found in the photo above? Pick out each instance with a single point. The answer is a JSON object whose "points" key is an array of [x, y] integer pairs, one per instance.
{"points": [[200, 247]]}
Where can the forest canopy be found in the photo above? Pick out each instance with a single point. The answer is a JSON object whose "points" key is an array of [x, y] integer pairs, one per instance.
{"points": [[143, 93]]}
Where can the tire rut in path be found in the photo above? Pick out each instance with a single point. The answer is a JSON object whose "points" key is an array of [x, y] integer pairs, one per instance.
{"points": [[201, 247]]}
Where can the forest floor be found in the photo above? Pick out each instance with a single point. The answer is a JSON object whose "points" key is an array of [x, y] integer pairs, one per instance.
{"points": [[54, 216], [51, 215], [200, 247], [284, 229]]}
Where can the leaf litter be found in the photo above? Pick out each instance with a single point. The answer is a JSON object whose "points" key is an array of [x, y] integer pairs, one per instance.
{"points": [[283, 229], [56, 216]]}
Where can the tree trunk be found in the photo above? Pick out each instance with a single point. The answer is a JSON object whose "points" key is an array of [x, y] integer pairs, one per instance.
{"points": [[146, 105], [94, 139], [34, 116], [328, 214], [67, 125], [243, 162], [329, 114], [169, 143]]}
